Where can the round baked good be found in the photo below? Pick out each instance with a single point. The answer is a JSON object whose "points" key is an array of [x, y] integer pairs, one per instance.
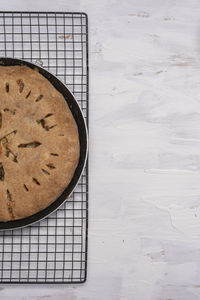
{"points": [[39, 143]]}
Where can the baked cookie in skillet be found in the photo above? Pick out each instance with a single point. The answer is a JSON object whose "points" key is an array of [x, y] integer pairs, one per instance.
{"points": [[39, 143]]}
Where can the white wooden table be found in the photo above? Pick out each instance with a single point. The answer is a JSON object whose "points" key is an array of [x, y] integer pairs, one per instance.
{"points": [[144, 210]]}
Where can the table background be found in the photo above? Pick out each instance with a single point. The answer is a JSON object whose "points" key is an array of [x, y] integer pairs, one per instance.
{"points": [[144, 208]]}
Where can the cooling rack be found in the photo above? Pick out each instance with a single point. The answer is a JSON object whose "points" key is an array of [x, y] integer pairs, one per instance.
{"points": [[55, 249]]}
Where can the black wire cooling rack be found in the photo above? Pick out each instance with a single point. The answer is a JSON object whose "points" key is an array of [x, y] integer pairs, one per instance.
{"points": [[55, 249]]}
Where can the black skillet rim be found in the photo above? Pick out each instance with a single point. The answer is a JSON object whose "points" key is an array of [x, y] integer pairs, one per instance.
{"points": [[83, 139]]}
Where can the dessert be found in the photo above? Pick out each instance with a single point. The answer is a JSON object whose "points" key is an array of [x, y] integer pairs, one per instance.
{"points": [[39, 143]]}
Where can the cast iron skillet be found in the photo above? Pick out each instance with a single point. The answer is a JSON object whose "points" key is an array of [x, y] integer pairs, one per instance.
{"points": [[77, 114]]}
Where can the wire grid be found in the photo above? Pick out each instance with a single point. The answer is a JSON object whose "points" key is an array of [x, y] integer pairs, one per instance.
{"points": [[55, 249]]}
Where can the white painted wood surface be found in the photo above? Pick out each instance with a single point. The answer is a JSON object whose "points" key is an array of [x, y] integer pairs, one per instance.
{"points": [[144, 230]]}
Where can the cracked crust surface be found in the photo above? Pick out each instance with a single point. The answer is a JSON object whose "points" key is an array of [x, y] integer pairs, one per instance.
{"points": [[39, 143]]}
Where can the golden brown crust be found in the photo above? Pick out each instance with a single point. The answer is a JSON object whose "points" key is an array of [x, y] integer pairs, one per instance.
{"points": [[39, 143]]}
